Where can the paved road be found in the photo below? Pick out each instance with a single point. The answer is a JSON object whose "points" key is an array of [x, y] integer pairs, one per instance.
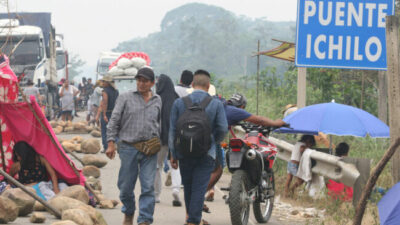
{"points": [[165, 214]]}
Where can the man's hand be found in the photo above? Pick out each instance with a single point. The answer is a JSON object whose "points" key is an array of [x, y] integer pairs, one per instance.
{"points": [[111, 150], [105, 118], [280, 123], [174, 163]]}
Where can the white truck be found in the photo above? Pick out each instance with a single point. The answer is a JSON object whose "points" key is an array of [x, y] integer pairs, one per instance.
{"points": [[61, 58], [29, 41]]}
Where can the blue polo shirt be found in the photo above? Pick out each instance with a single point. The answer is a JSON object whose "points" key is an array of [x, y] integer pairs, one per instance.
{"points": [[234, 115]]}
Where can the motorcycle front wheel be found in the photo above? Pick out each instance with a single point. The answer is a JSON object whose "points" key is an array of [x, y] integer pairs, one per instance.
{"points": [[239, 206], [264, 204]]}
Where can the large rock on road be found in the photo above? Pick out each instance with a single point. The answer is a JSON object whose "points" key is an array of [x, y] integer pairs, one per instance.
{"points": [[8, 210], [94, 160], [77, 192], [90, 146], [23, 201]]}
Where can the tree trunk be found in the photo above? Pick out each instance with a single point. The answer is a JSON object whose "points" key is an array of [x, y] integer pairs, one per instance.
{"points": [[383, 97], [392, 43], [372, 181]]}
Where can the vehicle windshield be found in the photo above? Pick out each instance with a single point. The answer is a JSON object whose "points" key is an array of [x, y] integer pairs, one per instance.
{"points": [[60, 60], [125, 85], [28, 52], [104, 64]]}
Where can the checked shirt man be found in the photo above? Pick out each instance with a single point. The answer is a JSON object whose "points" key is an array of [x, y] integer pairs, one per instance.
{"points": [[136, 119]]}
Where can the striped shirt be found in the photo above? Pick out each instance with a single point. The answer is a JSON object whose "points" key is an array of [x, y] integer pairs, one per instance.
{"points": [[133, 119]]}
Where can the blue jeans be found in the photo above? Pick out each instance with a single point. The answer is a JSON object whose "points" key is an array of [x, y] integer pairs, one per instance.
{"points": [[195, 174], [134, 163], [104, 130]]}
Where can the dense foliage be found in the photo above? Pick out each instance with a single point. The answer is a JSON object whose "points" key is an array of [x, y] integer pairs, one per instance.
{"points": [[202, 36]]}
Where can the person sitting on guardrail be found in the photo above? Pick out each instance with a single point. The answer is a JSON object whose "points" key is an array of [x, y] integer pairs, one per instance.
{"points": [[335, 189], [305, 142]]}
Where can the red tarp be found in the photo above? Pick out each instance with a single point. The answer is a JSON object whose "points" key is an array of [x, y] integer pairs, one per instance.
{"points": [[131, 55], [25, 127], [8, 94]]}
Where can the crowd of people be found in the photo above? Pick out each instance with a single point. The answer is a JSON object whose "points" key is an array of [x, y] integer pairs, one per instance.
{"points": [[179, 127], [152, 126]]}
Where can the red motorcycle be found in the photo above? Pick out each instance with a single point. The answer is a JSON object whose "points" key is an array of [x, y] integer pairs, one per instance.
{"points": [[250, 161]]}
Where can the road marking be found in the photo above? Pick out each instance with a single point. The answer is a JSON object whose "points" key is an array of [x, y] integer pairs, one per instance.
{"points": [[222, 193]]}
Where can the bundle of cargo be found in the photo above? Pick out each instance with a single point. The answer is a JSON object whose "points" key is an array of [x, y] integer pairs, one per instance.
{"points": [[128, 64]]}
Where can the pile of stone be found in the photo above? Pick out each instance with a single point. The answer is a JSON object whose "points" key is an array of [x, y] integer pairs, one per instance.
{"points": [[72, 203], [75, 128], [78, 144]]}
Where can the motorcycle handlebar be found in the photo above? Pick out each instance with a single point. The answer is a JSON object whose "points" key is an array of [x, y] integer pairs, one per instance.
{"points": [[263, 129]]}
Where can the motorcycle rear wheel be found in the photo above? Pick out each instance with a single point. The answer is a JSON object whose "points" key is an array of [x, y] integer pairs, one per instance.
{"points": [[262, 208], [239, 206]]}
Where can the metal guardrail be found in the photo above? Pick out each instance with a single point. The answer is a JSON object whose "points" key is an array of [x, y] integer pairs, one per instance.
{"points": [[326, 165]]}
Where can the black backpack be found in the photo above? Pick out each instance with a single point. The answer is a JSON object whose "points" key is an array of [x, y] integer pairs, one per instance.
{"points": [[193, 129]]}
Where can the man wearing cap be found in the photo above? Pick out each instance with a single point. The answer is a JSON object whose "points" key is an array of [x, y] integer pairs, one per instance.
{"points": [[109, 97], [136, 119]]}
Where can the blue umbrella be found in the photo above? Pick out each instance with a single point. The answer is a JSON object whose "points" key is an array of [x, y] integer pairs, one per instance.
{"points": [[389, 206], [337, 119]]}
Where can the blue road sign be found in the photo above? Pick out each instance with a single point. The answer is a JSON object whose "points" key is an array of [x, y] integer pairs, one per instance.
{"points": [[342, 33]]}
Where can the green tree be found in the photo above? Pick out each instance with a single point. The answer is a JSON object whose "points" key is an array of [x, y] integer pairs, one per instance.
{"points": [[75, 65]]}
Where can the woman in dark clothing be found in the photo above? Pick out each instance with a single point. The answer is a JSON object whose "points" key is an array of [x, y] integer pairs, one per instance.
{"points": [[166, 90], [109, 97], [31, 167]]}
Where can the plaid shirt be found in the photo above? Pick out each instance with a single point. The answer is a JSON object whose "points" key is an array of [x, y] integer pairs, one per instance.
{"points": [[133, 119]]}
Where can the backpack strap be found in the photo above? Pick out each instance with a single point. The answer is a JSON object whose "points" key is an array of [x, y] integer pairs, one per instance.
{"points": [[187, 101], [205, 102]]}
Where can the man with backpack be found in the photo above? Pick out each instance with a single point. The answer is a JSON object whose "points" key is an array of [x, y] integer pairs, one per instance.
{"points": [[197, 123]]}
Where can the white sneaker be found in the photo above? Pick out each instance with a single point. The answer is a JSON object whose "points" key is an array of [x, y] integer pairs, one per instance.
{"points": [[176, 196]]}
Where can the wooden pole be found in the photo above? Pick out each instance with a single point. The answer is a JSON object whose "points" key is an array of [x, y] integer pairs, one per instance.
{"points": [[3, 159], [33, 195], [75, 156], [301, 86], [363, 73], [393, 81], [383, 97], [372, 181], [258, 70]]}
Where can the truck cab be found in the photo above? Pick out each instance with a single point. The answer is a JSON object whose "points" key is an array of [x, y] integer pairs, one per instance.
{"points": [[125, 83], [104, 61], [61, 58], [26, 49]]}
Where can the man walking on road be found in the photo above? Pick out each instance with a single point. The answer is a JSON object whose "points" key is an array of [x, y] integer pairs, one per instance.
{"points": [[184, 85], [109, 97], [136, 121], [197, 123]]}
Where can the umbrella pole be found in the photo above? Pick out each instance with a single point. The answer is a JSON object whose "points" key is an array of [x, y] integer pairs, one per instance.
{"points": [[33, 195], [330, 144]]}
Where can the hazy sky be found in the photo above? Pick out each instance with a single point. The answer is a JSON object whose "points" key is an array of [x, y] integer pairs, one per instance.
{"points": [[92, 26]]}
